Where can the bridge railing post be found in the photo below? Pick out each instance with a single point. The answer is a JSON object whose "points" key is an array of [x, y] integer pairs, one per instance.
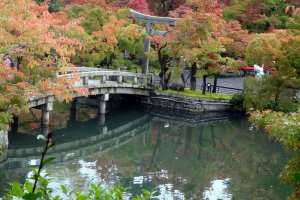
{"points": [[85, 80], [144, 80], [103, 79], [149, 79], [135, 80], [120, 79]]}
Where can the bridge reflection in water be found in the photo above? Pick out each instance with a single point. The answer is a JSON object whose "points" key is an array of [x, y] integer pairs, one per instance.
{"points": [[211, 156]]}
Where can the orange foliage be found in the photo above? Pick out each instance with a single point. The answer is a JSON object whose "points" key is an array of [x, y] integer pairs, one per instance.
{"points": [[101, 3], [36, 41]]}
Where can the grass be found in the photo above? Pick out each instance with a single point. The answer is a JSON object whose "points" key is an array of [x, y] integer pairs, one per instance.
{"points": [[198, 94]]}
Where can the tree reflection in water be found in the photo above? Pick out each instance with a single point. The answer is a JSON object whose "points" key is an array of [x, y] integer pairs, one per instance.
{"points": [[190, 159]]}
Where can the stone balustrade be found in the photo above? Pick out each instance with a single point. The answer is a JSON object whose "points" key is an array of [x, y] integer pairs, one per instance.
{"points": [[103, 76]]}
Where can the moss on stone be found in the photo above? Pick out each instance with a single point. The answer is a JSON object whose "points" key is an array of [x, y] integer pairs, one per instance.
{"points": [[197, 94]]}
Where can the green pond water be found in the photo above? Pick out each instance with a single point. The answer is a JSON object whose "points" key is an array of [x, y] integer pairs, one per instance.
{"points": [[214, 156]]}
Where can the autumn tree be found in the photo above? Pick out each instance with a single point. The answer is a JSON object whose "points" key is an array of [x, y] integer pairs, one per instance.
{"points": [[163, 7], [263, 49], [256, 15], [181, 11], [198, 41], [235, 40], [195, 41], [139, 5], [115, 38], [104, 4], [279, 50], [40, 44], [110, 41], [94, 18], [162, 53], [190, 43]]}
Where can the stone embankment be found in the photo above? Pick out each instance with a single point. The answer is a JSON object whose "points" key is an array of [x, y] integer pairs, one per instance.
{"points": [[3, 145], [188, 104]]}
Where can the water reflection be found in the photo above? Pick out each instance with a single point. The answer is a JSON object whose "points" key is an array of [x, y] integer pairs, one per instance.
{"points": [[217, 190], [208, 157]]}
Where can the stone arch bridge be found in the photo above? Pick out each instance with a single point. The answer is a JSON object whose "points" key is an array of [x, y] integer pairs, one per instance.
{"points": [[101, 83]]}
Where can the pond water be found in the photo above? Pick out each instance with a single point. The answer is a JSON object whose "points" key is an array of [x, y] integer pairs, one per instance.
{"points": [[211, 157]]}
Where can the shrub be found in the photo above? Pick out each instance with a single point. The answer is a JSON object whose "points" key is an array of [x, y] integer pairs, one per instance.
{"points": [[237, 99]]}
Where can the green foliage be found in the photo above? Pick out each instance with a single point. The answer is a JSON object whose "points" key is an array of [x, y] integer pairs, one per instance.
{"points": [[280, 50], [286, 101], [257, 15], [256, 95], [293, 24], [54, 6], [94, 16], [176, 74], [101, 49], [259, 25], [5, 119], [44, 192], [262, 49], [284, 127], [147, 195], [237, 99], [37, 186], [233, 11], [269, 93], [290, 59]]}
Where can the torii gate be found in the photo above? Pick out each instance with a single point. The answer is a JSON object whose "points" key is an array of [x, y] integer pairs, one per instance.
{"points": [[150, 20]]}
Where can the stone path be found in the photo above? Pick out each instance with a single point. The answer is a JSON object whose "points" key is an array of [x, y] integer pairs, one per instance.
{"points": [[232, 82]]}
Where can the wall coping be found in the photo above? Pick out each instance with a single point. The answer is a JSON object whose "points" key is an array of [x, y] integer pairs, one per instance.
{"points": [[199, 99]]}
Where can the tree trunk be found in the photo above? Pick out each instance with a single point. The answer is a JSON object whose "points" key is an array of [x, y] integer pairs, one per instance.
{"points": [[167, 79], [212, 132], [189, 134], [193, 80], [164, 78], [156, 147], [204, 84], [200, 143], [15, 124], [215, 84]]}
